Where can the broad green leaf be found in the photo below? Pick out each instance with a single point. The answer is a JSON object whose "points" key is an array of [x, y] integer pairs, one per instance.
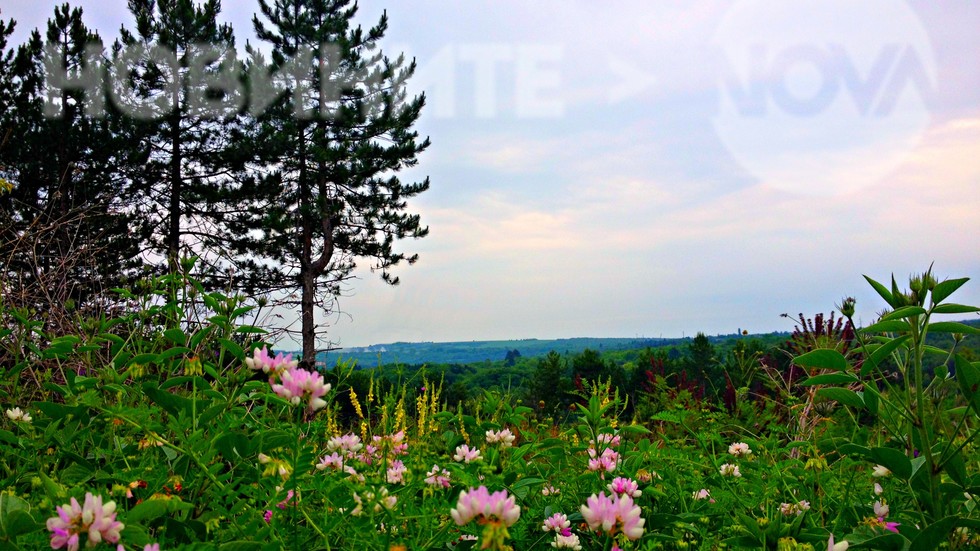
{"points": [[952, 327], [8, 505], [888, 542], [830, 379], [942, 290], [843, 395], [233, 348], [889, 326], [882, 352], [954, 309], [935, 534], [823, 358], [871, 398], [145, 359], [882, 291], [150, 509], [968, 378], [894, 460], [176, 336], [905, 312], [174, 351]]}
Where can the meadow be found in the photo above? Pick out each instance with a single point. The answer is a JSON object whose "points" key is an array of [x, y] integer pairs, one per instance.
{"points": [[169, 424]]}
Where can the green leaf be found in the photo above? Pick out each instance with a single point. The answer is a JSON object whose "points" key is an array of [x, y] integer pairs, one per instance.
{"points": [[942, 290], [830, 379], [905, 312], [250, 329], [968, 378], [9, 506], [823, 358], [882, 352], [870, 397], [954, 309], [176, 336], [843, 395], [933, 535], [889, 326], [882, 291], [240, 546], [952, 327], [145, 359], [150, 509], [894, 460], [888, 542], [233, 348]]}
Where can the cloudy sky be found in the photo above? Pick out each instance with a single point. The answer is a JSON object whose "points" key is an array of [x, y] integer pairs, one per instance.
{"points": [[663, 168]]}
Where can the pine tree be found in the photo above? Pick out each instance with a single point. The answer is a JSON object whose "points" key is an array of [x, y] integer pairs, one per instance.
{"points": [[326, 193], [185, 139], [65, 235]]}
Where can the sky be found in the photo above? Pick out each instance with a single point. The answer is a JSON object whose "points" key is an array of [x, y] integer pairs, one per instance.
{"points": [[662, 168]]}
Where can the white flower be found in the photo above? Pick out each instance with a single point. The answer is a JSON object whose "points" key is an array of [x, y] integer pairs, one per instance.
{"points": [[549, 490], [567, 542], [730, 470], [739, 449], [17, 415], [504, 437], [842, 546], [880, 470], [881, 509], [878, 489]]}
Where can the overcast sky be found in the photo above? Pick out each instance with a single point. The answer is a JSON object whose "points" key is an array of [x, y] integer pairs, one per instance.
{"points": [[662, 168]]}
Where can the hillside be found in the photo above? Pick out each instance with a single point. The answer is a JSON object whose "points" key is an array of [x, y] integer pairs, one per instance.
{"points": [[481, 351]]}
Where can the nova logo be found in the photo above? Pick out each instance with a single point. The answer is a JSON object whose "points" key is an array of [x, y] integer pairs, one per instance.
{"points": [[823, 97]]}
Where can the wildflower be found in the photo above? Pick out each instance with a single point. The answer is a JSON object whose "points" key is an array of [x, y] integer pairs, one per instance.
{"points": [[799, 508], [437, 477], [842, 546], [646, 476], [606, 462], [349, 443], [17, 415], [377, 500], [557, 522], [730, 470], [550, 490], [267, 516], [396, 472], [497, 507], [95, 520], [880, 471], [151, 547], [878, 489], [467, 455], [570, 541], [739, 449], [299, 385], [606, 439], [624, 486], [701, 494], [504, 437], [261, 361], [612, 514], [881, 509]]}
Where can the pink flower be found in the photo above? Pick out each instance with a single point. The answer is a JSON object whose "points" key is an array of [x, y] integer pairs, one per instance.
{"points": [[557, 523], [261, 360], [349, 444], [437, 477], [151, 547], [624, 486], [93, 519], [396, 472], [465, 454], [267, 516], [549, 490], [504, 437], [610, 515], [701, 494], [299, 385], [606, 462], [497, 507]]}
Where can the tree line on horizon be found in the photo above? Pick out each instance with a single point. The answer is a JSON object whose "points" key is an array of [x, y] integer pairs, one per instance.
{"points": [[276, 204]]}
